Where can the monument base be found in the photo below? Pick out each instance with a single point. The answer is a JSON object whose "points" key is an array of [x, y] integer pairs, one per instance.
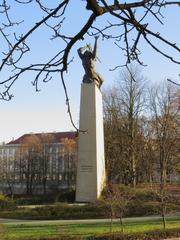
{"points": [[91, 164]]}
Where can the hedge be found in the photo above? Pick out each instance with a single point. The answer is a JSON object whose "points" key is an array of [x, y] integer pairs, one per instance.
{"points": [[6, 203]]}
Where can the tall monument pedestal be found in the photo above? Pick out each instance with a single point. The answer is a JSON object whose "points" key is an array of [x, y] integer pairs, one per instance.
{"points": [[91, 162]]}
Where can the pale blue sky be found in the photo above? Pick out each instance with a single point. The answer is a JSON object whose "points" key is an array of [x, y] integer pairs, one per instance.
{"points": [[46, 111]]}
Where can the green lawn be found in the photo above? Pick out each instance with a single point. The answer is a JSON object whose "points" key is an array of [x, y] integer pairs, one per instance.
{"points": [[37, 229]]}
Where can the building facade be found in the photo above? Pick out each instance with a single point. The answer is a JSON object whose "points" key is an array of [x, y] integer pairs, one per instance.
{"points": [[38, 163]]}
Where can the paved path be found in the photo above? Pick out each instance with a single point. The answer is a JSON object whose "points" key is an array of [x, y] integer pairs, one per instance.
{"points": [[6, 220], [15, 221], [131, 219]]}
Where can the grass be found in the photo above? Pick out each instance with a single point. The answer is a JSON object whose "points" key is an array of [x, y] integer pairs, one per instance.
{"points": [[50, 229]]}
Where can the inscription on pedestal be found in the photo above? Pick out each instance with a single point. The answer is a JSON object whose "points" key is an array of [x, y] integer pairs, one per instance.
{"points": [[86, 168]]}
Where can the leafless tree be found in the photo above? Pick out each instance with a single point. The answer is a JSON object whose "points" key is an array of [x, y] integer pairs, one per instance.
{"points": [[29, 153], [123, 196], [128, 24], [116, 199], [149, 160], [164, 103], [45, 146], [112, 129], [10, 180], [132, 103], [123, 133], [8, 174], [69, 155], [108, 199]]}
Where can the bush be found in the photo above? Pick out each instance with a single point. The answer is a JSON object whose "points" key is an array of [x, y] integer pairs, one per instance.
{"points": [[34, 200], [58, 211], [139, 208], [145, 195], [65, 195], [64, 211], [6, 203]]}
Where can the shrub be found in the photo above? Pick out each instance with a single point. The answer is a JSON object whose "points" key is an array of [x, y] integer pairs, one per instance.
{"points": [[6, 203], [65, 211], [140, 208], [33, 200], [58, 211], [145, 195], [66, 195]]}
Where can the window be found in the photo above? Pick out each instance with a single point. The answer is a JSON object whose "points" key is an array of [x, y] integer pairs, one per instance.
{"points": [[62, 164], [66, 177], [10, 151], [60, 177]]}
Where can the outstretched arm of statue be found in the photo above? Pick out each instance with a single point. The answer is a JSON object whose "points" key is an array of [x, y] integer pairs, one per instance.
{"points": [[95, 47]]}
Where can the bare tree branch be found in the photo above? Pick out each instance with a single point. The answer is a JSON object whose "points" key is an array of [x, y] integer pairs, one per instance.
{"points": [[127, 25]]}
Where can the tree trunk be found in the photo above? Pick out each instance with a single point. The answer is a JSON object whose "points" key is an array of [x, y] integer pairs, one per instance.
{"points": [[163, 192], [121, 223]]}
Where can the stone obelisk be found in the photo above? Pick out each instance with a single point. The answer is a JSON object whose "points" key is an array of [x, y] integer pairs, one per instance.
{"points": [[91, 164]]}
